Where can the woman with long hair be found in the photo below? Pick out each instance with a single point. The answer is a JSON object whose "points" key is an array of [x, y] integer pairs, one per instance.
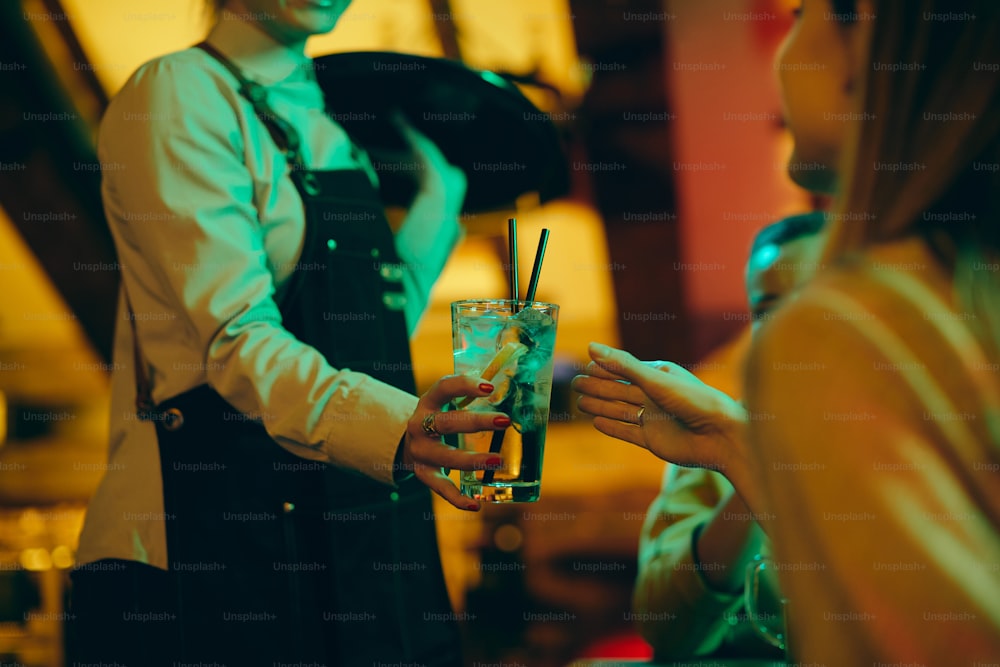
{"points": [[872, 434], [882, 459]]}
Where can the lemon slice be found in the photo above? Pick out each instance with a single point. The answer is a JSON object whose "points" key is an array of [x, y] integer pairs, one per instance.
{"points": [[503, 364], [510, 334], [509, 353]]}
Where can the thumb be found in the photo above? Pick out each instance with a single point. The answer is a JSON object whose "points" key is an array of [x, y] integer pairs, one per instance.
{"points": [[414, 137]]}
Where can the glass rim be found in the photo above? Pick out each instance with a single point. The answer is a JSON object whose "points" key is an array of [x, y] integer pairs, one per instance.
{"points": [[521, 302]]}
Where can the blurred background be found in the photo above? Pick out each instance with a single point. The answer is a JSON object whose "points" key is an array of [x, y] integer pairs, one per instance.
{"points": [[672, 126]]}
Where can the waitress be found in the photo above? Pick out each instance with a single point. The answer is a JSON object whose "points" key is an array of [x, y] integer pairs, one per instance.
{"points": [[266, 499]]}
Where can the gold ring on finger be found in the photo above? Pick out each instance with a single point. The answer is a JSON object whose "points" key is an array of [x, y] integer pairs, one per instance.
{"points": [[639, 415], [428, 426]]}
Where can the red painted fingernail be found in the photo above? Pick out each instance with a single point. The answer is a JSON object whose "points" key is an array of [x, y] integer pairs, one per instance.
{"points": [[486, 387], [494, 462], [502, 422], [472, 507]]}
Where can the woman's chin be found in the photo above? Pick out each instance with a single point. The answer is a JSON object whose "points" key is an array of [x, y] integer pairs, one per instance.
{"points": [[317, 16], [303, 20], [812, 174]]}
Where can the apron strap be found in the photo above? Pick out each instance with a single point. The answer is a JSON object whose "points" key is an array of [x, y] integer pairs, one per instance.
{"points": [[284, 135]]}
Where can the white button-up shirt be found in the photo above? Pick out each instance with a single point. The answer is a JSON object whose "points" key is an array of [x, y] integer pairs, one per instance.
{"points": [[208, 228]]}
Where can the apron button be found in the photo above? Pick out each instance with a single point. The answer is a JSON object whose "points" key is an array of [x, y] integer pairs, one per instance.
{"points": [[375, 252], [331, 245], [391, 273], [310, 184], [394, 300], [288, 508], [394, 497], [173, 419]]}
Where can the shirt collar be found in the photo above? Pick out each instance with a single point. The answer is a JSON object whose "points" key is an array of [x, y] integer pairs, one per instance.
{"points": [[257, 54]]}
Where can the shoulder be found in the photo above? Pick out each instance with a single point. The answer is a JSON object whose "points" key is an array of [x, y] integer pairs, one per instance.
{"points": [[883, 294], [190, 66], [825, 345], [186, 84], [863, 333], [171, 99], [820, 316]]}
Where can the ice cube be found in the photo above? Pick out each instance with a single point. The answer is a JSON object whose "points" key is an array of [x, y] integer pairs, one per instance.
{"points": [[530, 410], [536, 327], [533, 318]]}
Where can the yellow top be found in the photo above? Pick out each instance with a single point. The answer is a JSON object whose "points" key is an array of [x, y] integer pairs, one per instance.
{"points": [[880, 460]]}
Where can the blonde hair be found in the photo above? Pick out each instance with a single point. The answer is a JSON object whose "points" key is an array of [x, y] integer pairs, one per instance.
{"points": [[926, 158]]}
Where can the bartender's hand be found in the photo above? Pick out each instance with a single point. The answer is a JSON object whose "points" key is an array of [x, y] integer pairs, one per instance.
{"points": [[435, 176], [426, 455]]}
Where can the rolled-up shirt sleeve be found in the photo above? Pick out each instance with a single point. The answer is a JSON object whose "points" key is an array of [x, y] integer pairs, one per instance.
{"points": [[679, 614], [182, 209]]}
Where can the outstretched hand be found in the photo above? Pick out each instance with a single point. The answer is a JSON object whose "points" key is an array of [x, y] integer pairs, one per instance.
{"points": [[662, 407]]}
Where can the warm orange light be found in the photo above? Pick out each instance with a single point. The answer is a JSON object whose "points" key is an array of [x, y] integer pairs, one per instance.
{"points": [[36, 560], [62, 557], [3, 418]]}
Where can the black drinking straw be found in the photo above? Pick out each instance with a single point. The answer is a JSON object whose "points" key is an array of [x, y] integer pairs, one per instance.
{"points": [[512, 253], [496, 443], [536, 270]]}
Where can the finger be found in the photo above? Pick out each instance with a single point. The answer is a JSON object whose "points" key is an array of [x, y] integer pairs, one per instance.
{"points": [[416, 139], [665, 366], [625, 412], [409, 134], [616, 429], [400, 121], [594, 370], [451, 387], [675, 370], [619, 362], [469, 421], [439, 455], [439, 483], [610, 390], [660, 374]]}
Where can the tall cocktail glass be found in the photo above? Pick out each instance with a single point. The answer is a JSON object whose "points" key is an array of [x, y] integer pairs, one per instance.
{"points": [[510, 344]]}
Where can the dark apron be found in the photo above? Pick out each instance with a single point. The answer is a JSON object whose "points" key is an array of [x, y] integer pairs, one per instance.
{"points": [[281, 559]]}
